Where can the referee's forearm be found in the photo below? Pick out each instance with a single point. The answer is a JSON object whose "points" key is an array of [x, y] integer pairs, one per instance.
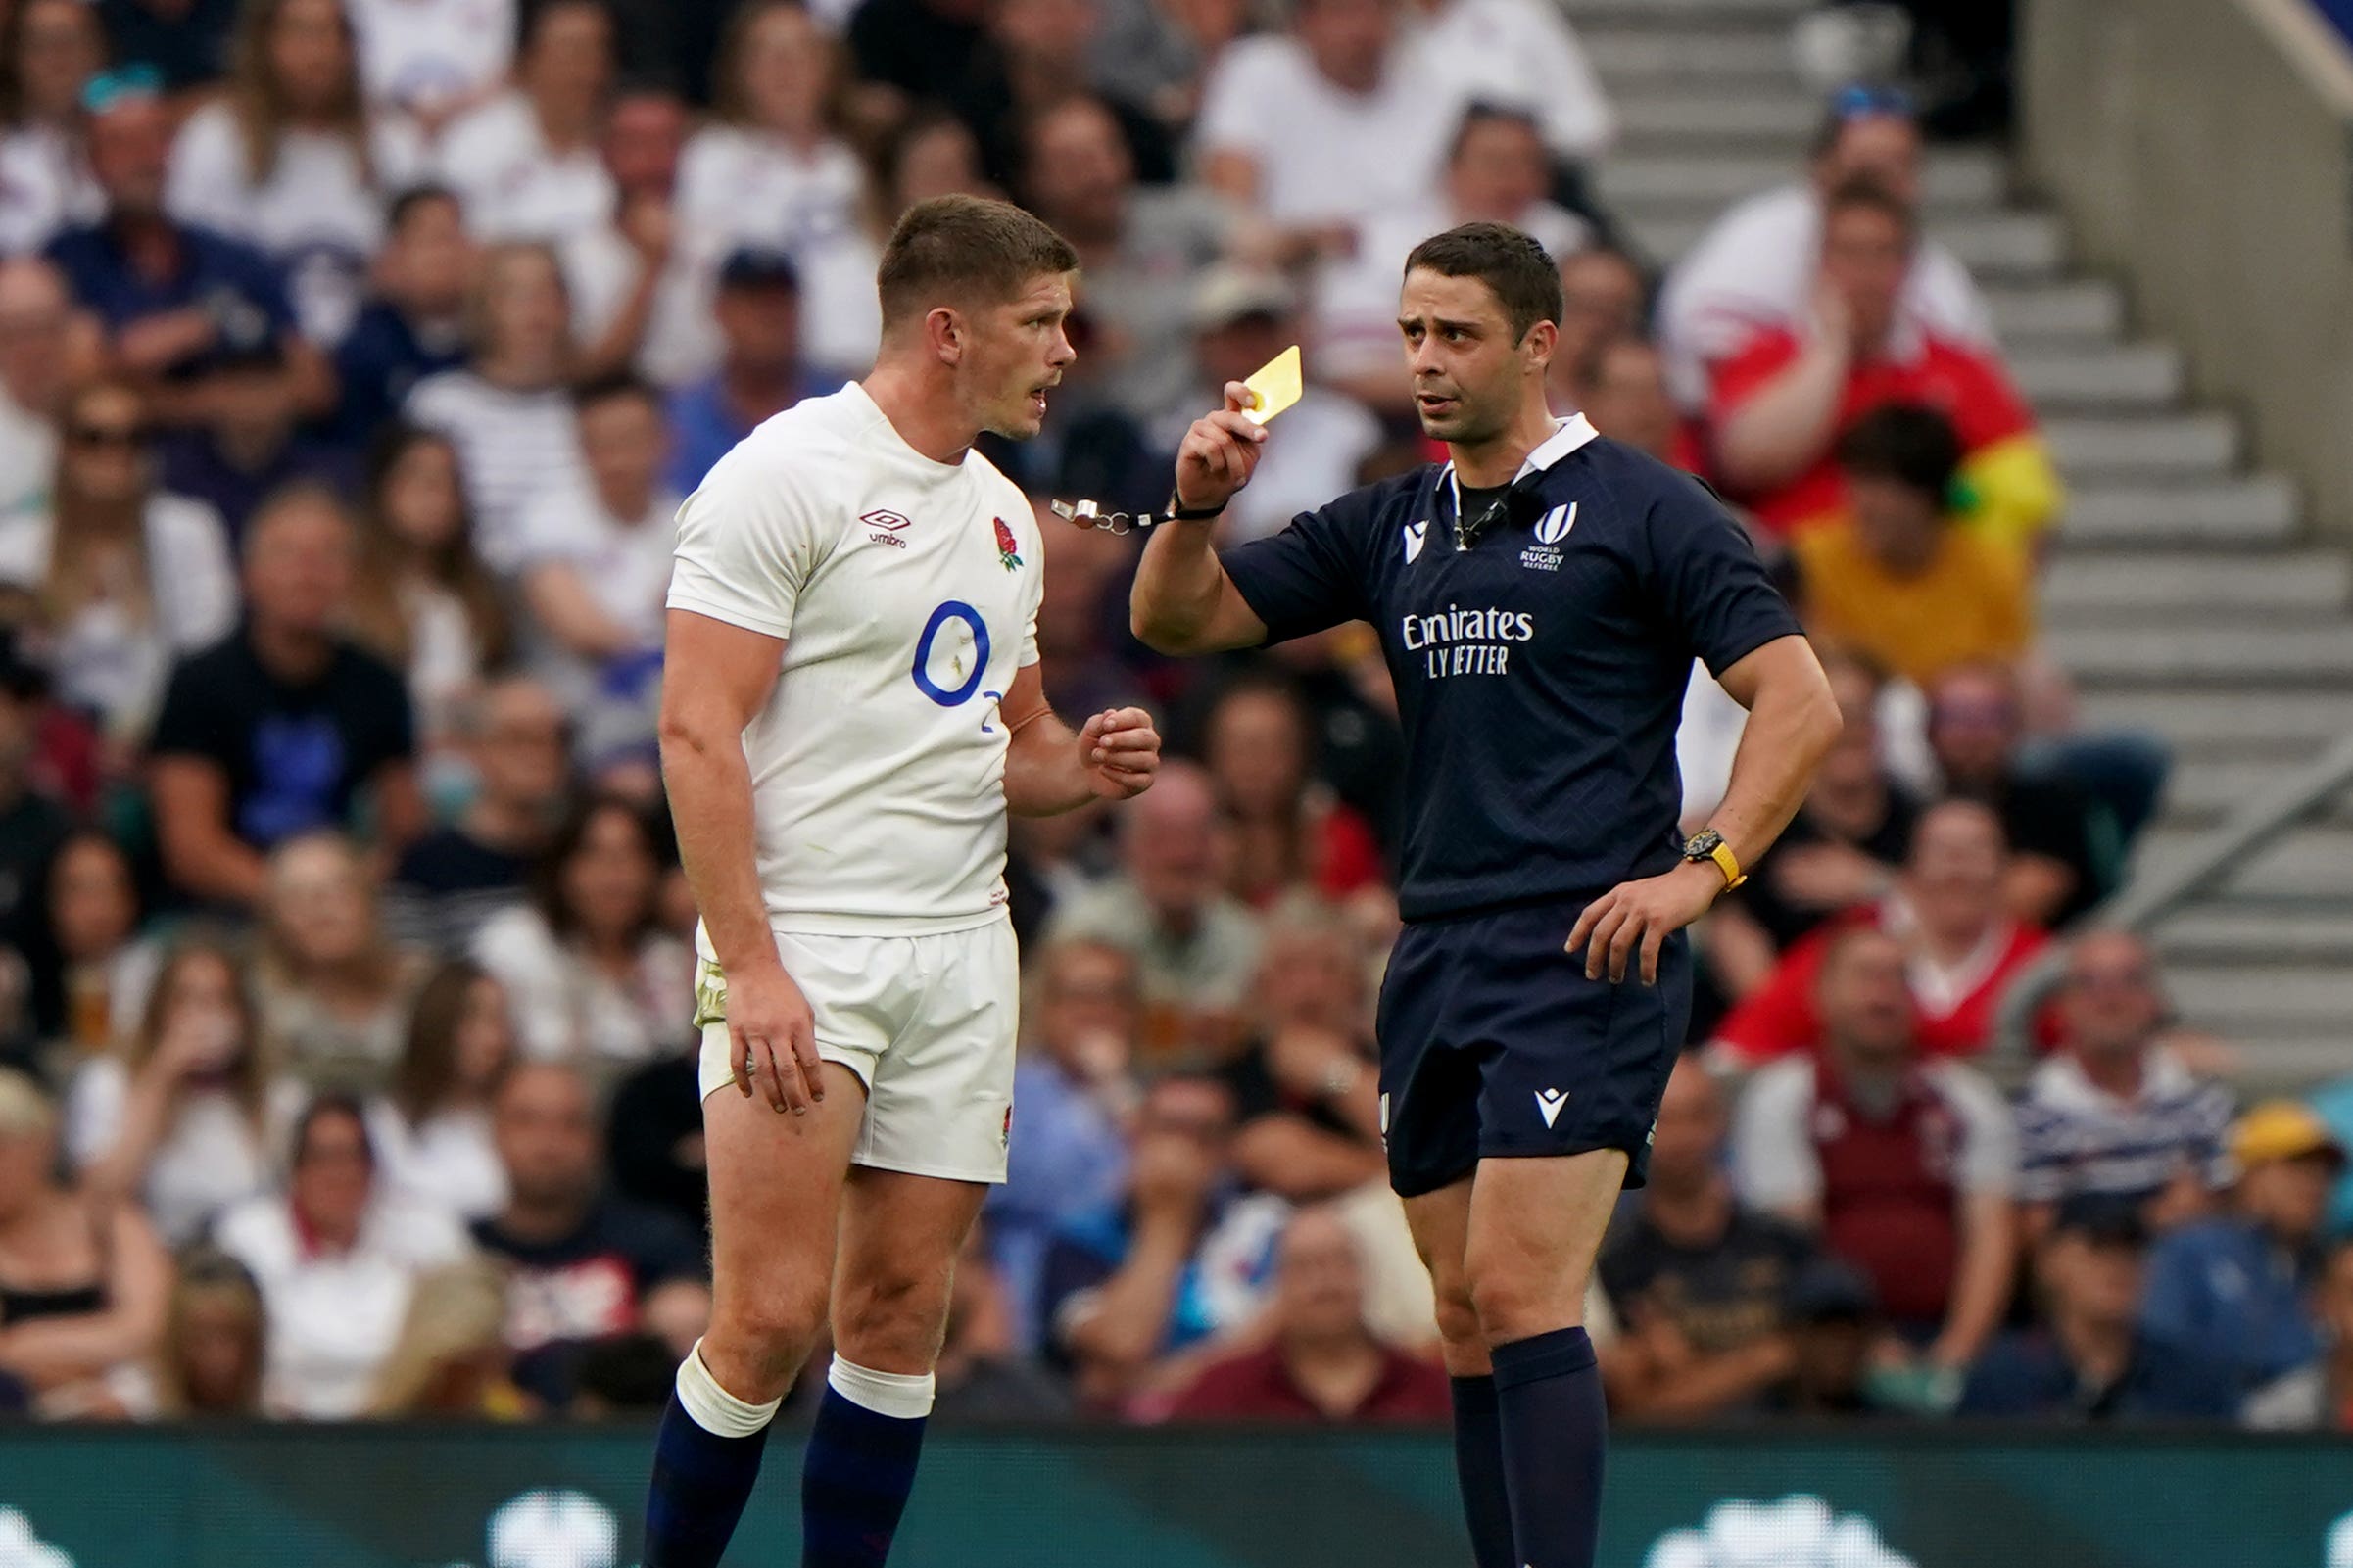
{"points": [[1792, 722], [1178, 586]]}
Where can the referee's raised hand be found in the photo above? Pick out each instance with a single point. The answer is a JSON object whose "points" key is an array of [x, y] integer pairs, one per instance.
{"points": [[1637, 917], [1220, 453]]}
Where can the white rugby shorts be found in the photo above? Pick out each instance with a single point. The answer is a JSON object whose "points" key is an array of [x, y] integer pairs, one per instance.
{"points": [[927, 1023]]}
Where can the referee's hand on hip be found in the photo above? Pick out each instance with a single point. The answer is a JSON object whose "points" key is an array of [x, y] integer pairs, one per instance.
{"points": [[1220, 453], [1640, 916]]}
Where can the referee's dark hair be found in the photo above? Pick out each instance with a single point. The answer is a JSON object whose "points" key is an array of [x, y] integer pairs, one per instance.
{"points": [[1513, 266], [1909, 443], [964, 250]]}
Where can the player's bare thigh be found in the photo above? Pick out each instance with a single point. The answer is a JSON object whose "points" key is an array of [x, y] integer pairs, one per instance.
{"points": [[896, 1265], [1535, 1226], [776, 1200]]}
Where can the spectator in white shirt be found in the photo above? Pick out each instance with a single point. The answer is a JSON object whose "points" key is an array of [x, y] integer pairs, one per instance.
{"points": [[292, 161], [432, 1129], [590, 971], [336, 1260], [1756, 267], [128, 578], [1318, 130], [774, 171], [526, 162], [1243, 318], [43, 351], [636, 297], [433, 59], [1496, 173], [49, 49], [422, 600], [1519, 55], [510, 413], [597, 571], [188, 1117]]}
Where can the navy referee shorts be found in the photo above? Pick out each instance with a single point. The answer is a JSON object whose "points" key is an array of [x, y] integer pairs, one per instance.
{"points": [[1494, 1044]]}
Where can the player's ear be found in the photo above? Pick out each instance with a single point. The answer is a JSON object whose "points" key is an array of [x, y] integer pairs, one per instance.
{"points": [[1541, 340], [945, 330]]}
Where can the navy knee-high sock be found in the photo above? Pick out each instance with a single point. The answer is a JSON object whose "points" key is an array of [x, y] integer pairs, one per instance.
{"points": [[701, 1477], [1548, 1395], [860, 1465], [1479, 1466]]}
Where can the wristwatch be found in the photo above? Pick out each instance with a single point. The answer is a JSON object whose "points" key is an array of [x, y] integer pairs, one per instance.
{"points": [[1708, 845]]}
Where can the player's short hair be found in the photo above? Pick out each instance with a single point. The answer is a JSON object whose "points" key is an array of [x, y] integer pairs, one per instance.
{"points": [[1863, 193], [1487, 114], [965, 250], [1909, 443], [1516, 271]]}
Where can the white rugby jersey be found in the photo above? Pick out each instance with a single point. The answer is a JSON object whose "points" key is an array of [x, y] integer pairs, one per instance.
{"points": [[907, 591]]}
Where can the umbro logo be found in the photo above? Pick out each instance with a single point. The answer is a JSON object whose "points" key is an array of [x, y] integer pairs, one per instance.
{"points": [[1549, 1103], [886, 526], [1417, 534]]}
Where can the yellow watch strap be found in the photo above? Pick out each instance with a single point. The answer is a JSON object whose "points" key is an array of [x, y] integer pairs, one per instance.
{"points": [[1729, 864]]}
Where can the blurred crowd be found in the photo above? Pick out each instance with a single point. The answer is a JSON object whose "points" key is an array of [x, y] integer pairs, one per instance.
{"points": [[355, 356]]}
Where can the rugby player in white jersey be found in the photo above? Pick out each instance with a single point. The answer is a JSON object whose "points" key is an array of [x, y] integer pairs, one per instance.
{"points": [[851, 704]]}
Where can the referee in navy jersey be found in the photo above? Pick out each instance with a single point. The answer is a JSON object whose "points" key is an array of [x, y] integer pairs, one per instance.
{"points": [[1539, 599]]}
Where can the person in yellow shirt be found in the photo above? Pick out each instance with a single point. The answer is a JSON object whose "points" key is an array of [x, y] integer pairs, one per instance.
{"points": [[1897, 576]]}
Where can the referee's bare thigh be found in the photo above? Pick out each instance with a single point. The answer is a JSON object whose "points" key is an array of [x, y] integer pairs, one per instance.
{"points": [[776, 1202]]}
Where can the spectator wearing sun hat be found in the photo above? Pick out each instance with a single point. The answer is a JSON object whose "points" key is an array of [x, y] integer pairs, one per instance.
{"points": [[2240, 1282]]}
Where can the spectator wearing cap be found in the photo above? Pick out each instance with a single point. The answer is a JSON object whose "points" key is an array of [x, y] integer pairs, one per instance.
{"points": [[596, 571], [1321, 1362], [49, 50], [527, 163], [584, 1264], [125, 577], [44, 351], [1696, 1279], [83, 1281], [1242, 317], [1946, 910], [1901, 1163], [2238, 1282], [281, 729], [2065, 850], [2318, 1396], [1895, 576], [638, 300], [1077, 1095], [292, 159], [336, 1258], [777, 171], [1756, 268], [1496, 173], [248, 444], [761, 373], [1181, 1257], [1140, 249], [1830, 1314], [187, 41], [170, 295], [2114, 1112], [2092, 1360], [413, 323], [1779, 403], [1196, 947]]}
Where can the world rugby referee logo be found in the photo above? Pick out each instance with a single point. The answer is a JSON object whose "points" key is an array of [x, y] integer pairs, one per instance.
{"points": [[1550, 529]]}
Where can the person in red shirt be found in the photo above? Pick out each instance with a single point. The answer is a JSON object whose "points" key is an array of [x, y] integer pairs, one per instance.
{"points": [[1961, 947], [1780, 404], [1321, 1362]]}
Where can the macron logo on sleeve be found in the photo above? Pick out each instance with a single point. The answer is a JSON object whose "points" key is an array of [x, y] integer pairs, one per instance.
{"points": [[1549, 1103]]}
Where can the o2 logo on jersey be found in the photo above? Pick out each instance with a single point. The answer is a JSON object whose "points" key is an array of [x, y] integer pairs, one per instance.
{"points": [[957, 624]]}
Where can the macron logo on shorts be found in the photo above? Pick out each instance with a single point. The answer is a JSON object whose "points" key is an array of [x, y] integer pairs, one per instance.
{"points": [[1549, 1103]]}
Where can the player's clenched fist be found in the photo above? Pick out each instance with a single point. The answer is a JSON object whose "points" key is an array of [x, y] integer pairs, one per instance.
{"points": [[1121, 752], [1219, 454], [773, 1036]]}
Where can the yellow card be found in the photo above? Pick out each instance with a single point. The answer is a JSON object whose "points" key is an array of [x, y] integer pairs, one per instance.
{"points": [[1275, 385]]}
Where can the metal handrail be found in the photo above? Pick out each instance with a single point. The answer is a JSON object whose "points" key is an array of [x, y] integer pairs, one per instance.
{"points": [[2144, 901]]}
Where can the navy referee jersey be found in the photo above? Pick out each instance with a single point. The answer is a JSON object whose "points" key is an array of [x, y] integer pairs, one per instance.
{"points": [[1540, 672]]}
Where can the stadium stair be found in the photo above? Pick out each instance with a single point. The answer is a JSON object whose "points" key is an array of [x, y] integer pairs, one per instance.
{"points": [[2183, 596]]}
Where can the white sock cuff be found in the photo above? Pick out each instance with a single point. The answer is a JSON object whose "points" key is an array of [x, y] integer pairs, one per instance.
{"points": [[713, 1408], [901, 1396]]}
